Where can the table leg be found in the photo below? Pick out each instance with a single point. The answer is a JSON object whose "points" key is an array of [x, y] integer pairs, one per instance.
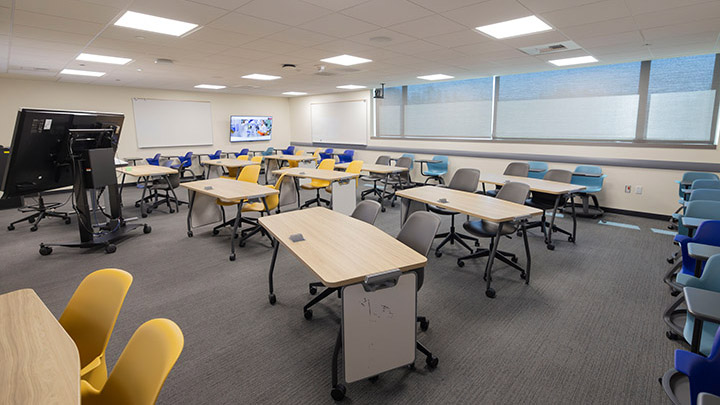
{"points": [[338, 390], [527, 251], [297, 190], [488, 268], [142, 197], [548, 241], [384, 192], [697, 334], [172, 190], [271, 295], [574, 218], [189, 217], [236, 224]]}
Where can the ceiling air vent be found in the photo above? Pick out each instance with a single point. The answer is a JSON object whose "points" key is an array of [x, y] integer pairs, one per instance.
{"points": [[550, 48]]}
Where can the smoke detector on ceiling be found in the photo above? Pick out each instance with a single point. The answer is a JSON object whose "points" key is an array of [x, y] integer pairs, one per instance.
{"points": [[289, 66], [164, 61], [550, 48]]}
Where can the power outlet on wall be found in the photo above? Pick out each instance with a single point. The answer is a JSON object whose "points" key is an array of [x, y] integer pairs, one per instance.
{"points": [[628, 188], [638, 189]]}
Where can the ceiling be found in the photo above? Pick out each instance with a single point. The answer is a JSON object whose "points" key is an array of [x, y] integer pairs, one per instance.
{"points": [[404, 38]]}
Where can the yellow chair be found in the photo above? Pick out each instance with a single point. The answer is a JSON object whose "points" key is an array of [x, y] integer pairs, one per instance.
{"points": [[258, 159], [249, 174], [315, 184], [298, 152], [233, 171], [316, 154], [354, 167], [272, 201], [89, 318], [143, 366]]}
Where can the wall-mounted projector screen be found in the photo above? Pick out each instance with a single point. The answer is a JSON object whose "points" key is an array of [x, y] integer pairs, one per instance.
{"points": [[165, 123], [344, 122]]}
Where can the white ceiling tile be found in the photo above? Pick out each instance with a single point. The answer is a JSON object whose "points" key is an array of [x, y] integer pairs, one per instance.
{"points": [[459, 38], [309, 53], [649, 6], [442, 55], [269, 45], [631, 37], [179, 10], [482, 48], [440, 6], [335, 5], [290, 12], [338, 25], [709, 38], [653, 34], [683, 50], [587, 14], [342, 46], [488, 12], [56, 23], [414, 47], [224, 4], [245, 24], [679, 15], [74, 9], [368, 38], [387, 12], [540, 38], [543, 6], [428, 26], [601, 51], [301, 37], [220, 37], [23, 31], [607, 27]]}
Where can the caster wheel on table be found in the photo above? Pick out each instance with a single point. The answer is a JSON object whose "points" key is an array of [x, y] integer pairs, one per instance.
{"points": [[190, 234], [308, 314], [272, 299], [477, 244], [232, 257], [110, 248], [11, 227], [67, 221], [438, 254], [672, 335], [411, 366], [571, 239], [523, 276], [31, 220], [550, 246], [147, 228], [137, 205], [172, 211], [215, 231], [362, 198], [149, 210], [241, 244], [144, 215], [374, 379], [33, 228], [424, 325], [490, 293], [45, 250], [674, 293], [313, 290], [514, 259], [382, 209], [431, 361], [392, 204], [519, 233], [460, 263], [338, 392], [670, 260]]}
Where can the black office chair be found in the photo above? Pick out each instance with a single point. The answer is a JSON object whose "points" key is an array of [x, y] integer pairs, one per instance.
{"points": [[401, 180], [514, 192], [40, 211], [163, 193], [465, 179], [519, 169], [375, 178], [545, 201]]}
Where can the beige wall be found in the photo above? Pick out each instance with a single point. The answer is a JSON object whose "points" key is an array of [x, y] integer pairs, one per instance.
{"points": [[659, 188], [45, 94]]}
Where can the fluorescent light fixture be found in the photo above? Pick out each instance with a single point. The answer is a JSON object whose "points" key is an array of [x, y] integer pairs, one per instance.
{"points": [[113, 60], [350, 87], [152, 23], [81, 73], [210, 86], [513, 28], [573, 61], [295, 93], [437, 76], [258, 76], [346, 60]]}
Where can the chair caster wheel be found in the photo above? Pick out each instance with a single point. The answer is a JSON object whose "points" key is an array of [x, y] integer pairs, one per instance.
{"points": [[392, 204], [241, 244], [438, 254], [110, 248], [675, 293], [147, 228], [137, 205], [338, 392], [424, 325], [31, 220], [411, 366], [362, 198], [670, 260], [232, 257], [67, 221], [11, 227], [550, 246], [571, 239], [672, 335], [490, 293], [313, 290], [431, 361], [272, 299], [477, 244], [149, 210], [172, 211], [215, 232], [374, 379], [460, 263], [514, 259], [45, 250], [382, 209], [33, 228], [523, 276], [144, 215], [190, 234], [519, 233], [308, 314]]}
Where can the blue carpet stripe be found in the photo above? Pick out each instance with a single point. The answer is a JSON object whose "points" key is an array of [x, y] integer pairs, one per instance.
{"points": [[620, 225]]}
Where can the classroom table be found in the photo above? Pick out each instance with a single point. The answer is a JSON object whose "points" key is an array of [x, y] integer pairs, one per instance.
{"points": [[340, 251], [280, 159], [134, 160], [384, 170], [344, 185], [704, 305], [543, 186], [475, 205], [204, 208], [701, 253], [39, 362], [227, 163], [145, 172]]}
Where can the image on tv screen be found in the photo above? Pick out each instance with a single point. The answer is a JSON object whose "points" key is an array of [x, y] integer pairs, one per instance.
{"points": [[247, 128]]}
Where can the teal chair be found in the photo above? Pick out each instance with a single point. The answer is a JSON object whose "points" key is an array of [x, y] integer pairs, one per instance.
{"points": [[269, 151], [537, 170], [709, 280], [412, 159], [685, 182], [592, 178], [436, 170]]}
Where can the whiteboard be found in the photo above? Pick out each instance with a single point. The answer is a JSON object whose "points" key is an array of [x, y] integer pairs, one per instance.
{"points": [[378, 328], [344, 122], [160, 123]]}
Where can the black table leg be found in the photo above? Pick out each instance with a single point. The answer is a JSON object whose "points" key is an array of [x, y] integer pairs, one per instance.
{"points": [[548, 241], [189, 217], [234, 231], [271, 295], [527, 251], [488, 268]]}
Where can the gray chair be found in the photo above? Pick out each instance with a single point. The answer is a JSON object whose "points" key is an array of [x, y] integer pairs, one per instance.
{"points": [[400, 181], [418, 233], [545, 201], [514, 192], [519, 169], [465, 179], [366, 211], [163, 193], [374, 178]]}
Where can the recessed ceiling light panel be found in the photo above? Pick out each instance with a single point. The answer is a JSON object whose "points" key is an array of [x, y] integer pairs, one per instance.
{"points": [[210, 86], [346, 60], [514, 28], [161, 25], [573, 61], [437, 76], [113, 60], [259, 76], [81, 73], [295, 93], [350, 87]]}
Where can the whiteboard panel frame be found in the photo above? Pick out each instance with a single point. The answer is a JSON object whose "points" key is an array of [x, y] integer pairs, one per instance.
{"points": [[366, 119], [137, 133]]}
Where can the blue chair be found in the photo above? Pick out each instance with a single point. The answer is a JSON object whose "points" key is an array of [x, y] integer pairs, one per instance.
{"points": [[347, 156], [593, 182], [329, 151], [693, 374], [436, 170], [289, 151], [687, 180], [269, 151], [184, 164], [243, 152], [705, 183], [328, 154], [537, 170], [216, 155], [412, 159], [155, 161]]}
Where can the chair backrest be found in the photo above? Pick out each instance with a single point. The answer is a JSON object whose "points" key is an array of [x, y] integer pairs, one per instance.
{"points": [[560, 175], [298, 152], [273, 200], [354, 167], [465, 179], [595, 181], [144, 364], [250, 174], [382, 160], [329, 151], [705, 194], [548, 200], [702, 372], [244, 157], [418, 233], [269, 151], [519, 169], [325, 164], [514, 191], [290, 150], [689, 177], [699, 209], [317, 152], [367, 211], [245, 151], [346, 156], [90, 315], [442, 166], [257, 159], [215, 155], [537, 170], [705, 183], [324, 155], [155, 161], [710, 277], [411, 156], [404, 161]]}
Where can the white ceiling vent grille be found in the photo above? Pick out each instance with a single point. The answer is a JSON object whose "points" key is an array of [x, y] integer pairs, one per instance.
{"points": [[550, 48]]}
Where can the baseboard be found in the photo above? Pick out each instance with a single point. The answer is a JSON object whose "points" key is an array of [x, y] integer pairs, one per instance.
{"points": [[661, 217]]}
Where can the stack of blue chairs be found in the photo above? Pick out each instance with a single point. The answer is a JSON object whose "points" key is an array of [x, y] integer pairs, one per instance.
{"points": [[593, 185]]}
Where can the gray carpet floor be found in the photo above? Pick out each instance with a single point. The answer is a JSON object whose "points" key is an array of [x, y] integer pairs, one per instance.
{"points": [[587, 329]]}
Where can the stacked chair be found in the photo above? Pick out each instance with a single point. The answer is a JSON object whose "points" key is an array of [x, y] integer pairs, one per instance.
{"points": [[593, 181], [687, 180]]}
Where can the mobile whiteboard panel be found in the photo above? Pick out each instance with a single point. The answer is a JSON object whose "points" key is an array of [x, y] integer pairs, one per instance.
{"points": [[344, 122], [378, 328], [165, 123]]}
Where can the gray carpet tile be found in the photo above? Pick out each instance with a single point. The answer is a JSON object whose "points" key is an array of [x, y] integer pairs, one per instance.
{"points": [[587, 329]]}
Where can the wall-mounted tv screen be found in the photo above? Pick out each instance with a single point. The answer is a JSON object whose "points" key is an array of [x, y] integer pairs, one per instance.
{"points": [[250, 128]]}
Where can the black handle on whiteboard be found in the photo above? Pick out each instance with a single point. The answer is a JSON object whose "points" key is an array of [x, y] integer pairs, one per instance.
{"points": [[379, 281]]}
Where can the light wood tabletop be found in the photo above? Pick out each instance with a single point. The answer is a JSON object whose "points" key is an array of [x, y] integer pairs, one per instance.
{"points": [[229, 162], [539, 185], [229, 189], [308, 173], [146, 170], [339, 249], [39, 362], [291, 158], [475, 205], [373, 168]]}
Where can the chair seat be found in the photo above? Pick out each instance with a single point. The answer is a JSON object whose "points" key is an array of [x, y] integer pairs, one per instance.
{"points": [[227, 203], [491, 193], [309, 186], [590, 190], [372, 178], [254, 207], [441, 211], [487, 229]]}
